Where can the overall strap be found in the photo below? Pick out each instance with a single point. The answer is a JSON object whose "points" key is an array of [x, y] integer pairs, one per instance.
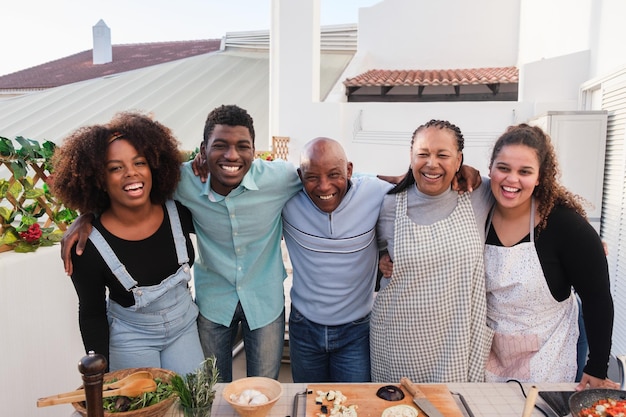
{"points": [[118, 268], [177, 232]]}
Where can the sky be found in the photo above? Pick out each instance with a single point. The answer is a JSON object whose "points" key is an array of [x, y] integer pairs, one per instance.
{"points": [[34, 32]]}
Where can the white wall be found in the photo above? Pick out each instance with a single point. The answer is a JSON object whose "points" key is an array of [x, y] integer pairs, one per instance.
{"points": [[424, 34], [553, 28], [607, 37], [41, 343], [553, 83]]}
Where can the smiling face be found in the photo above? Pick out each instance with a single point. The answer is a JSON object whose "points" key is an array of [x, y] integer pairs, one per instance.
{"points": [[514, 175], [435, 159], [128, 178], [325, 173], [229, 152]]}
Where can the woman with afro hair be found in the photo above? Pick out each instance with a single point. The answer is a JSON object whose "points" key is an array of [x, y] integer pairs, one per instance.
{"points": [[139, 251]]}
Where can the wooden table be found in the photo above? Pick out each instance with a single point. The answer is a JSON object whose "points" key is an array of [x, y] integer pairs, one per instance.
{"points": [[484, 400]]}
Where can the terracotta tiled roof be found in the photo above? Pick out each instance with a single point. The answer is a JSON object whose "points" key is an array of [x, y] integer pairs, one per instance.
{"points": [[79, 67], [471, 76]]}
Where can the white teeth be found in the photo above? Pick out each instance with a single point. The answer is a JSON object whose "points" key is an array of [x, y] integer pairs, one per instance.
{"points": [[326, 197], [229, 168], [432, 176], [131, 187], [510, 189]]}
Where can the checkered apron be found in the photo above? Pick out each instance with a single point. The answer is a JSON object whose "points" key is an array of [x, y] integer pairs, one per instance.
{"points": [[535, 335], [429, 322]]}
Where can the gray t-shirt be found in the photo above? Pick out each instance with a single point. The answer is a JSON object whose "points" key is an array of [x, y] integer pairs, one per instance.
{"points": [[425, 210]]}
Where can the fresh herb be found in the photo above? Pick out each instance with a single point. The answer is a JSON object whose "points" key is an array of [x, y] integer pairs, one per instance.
{"points": [[196, 389]]}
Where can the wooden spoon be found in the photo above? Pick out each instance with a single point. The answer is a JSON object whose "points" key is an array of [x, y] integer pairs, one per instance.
{"points": [[113, 385], [132, 389], [530, 401]]}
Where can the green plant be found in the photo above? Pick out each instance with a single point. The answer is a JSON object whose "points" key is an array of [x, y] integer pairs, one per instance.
{"points": [[266, 156], [25, 198], [197, 389]]}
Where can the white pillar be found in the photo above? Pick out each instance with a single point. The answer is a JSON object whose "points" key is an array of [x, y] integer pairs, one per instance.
{"points": [[294, 59]]}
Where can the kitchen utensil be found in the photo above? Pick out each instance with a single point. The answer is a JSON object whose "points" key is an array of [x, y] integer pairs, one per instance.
{"points": [[530, 401], [132, 389], [419, 398], [468, 410], [364, 396], [583, 399], [113, 385]]}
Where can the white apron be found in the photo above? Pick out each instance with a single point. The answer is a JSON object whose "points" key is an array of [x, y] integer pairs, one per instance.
{"points": [[429, 322], [535, 335]]}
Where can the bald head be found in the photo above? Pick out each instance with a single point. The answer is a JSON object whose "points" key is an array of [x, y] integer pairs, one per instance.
{"points": [[325, 172], [321, 148]]}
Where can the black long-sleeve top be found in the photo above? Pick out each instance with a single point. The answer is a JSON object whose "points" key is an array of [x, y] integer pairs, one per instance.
{"points": [[149, 261], [571, 255]]}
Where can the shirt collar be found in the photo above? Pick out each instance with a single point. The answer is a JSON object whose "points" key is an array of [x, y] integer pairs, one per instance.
{"points": [[247, 183]]}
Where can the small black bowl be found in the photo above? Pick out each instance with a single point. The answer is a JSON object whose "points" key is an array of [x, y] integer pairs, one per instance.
{"points": [[390, 393]]}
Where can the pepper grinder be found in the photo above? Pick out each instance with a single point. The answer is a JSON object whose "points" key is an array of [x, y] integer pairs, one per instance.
{"points": [[92, 368]]}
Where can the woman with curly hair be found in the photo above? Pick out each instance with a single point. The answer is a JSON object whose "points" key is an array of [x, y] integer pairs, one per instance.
{"points": [[539, 246], [139, 249], [429, 318]]}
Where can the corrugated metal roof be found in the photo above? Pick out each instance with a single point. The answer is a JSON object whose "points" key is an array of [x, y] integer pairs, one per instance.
{"points": [[180, 94]]}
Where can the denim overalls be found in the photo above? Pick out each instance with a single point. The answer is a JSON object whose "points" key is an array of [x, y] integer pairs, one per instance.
{"points": [[160, 329]]}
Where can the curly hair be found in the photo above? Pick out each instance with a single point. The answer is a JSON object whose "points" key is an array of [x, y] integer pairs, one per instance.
{"points": [[549, 192], [409, 179], [229, 115], [79, 164]]}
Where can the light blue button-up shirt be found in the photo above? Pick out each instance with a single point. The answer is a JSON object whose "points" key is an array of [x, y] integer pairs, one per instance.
{"points": [[238, 239]]}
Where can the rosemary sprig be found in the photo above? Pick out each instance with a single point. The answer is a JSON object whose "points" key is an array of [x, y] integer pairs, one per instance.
{"points": [[196, 389]]}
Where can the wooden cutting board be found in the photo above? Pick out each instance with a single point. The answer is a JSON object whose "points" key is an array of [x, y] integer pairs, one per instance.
{"points": [[369, 405]]}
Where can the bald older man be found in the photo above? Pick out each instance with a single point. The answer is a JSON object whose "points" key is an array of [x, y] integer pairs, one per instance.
{"points": [[329, 228]]}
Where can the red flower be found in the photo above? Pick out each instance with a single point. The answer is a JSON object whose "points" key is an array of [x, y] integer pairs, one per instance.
{"points": [[33, 233]]}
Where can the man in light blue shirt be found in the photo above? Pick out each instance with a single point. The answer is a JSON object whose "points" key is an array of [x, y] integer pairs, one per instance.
{"points": [[330, 232], [237, 218]]}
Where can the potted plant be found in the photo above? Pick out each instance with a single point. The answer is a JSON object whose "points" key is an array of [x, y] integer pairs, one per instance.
{"points": [[196, 390]]}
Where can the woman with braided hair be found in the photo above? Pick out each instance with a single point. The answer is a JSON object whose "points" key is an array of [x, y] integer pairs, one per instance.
{"points": [[429, 319]]}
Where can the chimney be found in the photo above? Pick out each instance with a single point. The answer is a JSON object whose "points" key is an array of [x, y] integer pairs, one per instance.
{"points": [[102, 49]]}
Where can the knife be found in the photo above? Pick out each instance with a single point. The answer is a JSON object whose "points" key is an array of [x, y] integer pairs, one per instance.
{"points": [[419, 398]]}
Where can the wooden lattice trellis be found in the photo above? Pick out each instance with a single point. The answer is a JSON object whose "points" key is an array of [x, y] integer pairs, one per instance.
{"points": [[29, 191], [280, 148]]}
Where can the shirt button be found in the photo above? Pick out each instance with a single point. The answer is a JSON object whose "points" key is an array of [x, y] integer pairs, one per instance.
{"points": [[238, 268]]}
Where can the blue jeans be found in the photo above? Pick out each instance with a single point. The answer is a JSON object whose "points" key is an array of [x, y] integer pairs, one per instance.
{"points": [[263, 346], [329, 353]]}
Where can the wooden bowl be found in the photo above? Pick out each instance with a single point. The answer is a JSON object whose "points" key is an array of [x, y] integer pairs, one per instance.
{"points": [[156, 410], [270, 387]]}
